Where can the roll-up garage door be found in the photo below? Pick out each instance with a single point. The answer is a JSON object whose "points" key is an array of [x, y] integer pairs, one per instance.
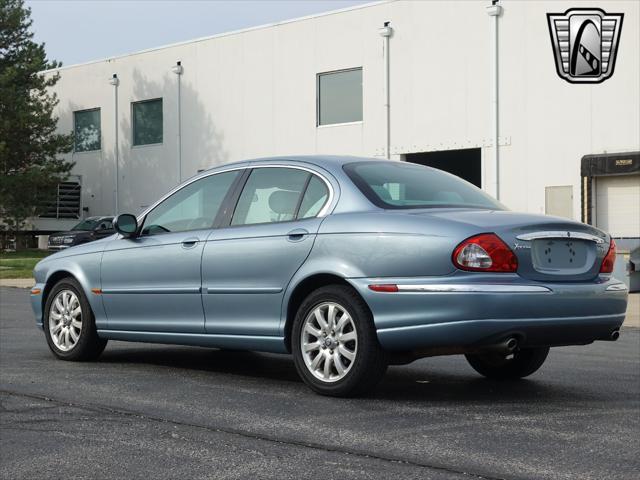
{"points": [[618, 205]]}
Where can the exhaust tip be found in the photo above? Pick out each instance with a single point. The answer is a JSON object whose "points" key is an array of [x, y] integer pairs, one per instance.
{"points": [[511, 344], [615, 335]]}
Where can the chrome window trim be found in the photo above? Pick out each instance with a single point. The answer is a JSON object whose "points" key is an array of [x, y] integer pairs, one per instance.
{"points": [[473, 288], [560, 234], [323, 211]]}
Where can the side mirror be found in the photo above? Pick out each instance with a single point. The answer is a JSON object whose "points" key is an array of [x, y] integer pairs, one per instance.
{"points": [[126, 225]]}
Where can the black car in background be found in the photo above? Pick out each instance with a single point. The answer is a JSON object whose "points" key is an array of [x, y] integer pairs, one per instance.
{"points": [[91, 228]]}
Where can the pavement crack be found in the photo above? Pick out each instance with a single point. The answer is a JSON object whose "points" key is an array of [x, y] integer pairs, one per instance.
{"points": [[102, 409]]}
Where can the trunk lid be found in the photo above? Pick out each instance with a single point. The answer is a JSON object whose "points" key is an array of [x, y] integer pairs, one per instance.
{"points": [[548, 248]]}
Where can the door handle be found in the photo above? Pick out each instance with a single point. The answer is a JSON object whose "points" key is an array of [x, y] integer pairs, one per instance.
{"points": [[297, 234], [190, 242]]}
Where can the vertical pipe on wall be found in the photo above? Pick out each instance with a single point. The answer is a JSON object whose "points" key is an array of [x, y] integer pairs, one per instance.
{"points": [[177, 69], [385, 32], [116, 150], [494, 10]]}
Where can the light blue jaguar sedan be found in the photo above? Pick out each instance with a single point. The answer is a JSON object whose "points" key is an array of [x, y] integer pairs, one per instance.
{"points": [[350, 264]]}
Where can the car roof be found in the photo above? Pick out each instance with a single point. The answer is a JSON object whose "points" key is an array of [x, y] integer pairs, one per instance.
{"points": [[330, 163], [319, 160]]}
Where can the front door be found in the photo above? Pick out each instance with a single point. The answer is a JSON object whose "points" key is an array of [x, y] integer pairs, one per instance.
{"points": [[153, 282], [247, 266]]}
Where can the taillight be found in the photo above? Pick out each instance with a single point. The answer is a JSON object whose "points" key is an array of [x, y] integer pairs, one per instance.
{"points": [[485, 253], [609, 259]]}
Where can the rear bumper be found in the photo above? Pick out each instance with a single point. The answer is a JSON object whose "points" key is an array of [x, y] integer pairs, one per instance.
{"points": [[464, 310], [530, 332]]}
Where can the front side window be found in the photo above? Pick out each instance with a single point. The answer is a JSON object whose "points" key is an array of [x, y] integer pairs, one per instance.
{"points": [[340, 97], [147, 122], [105, 225], [270, 195], [193, 207], [86, 128], [396, 185]]}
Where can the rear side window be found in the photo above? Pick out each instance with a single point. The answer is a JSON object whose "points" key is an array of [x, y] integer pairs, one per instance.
{"points": [[270, 195], [314, 198], [398, 185]]}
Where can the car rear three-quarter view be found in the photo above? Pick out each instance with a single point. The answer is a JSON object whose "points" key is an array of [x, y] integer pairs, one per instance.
{"points": [[349, 264]]}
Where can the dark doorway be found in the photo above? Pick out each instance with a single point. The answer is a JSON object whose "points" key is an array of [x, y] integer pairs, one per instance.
{"points": [[465, 163]]}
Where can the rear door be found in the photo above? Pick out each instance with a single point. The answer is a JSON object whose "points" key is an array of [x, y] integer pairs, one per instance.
{"points": [[247, 265]]}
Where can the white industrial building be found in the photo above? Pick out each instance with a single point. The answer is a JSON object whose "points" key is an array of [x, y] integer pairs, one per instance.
{"points": [[429, 89]]}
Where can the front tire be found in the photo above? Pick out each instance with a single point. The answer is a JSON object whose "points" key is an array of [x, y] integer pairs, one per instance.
{"points": [[521, 363], [69, 324], [335, 345]]}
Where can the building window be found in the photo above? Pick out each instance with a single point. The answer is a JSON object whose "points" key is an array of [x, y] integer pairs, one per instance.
{"points": [[558, 201], [340, 97], [86, 127], [147, 122]]}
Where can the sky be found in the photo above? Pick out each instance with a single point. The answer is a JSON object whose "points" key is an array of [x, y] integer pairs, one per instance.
{"points": [[77, 31]]}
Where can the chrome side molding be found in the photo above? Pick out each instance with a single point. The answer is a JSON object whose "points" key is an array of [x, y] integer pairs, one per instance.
{"points": [[242, 290], [150, 290], [471, 288], [560, 234]]}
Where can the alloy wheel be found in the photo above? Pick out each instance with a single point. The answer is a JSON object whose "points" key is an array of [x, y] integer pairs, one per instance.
{"points": [[329, 342], [65, 320]]}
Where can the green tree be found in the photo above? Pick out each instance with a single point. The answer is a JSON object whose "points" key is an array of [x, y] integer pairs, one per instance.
{"points": [[30, 148]]}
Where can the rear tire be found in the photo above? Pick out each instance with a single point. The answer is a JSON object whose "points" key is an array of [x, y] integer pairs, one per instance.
{"points": [[69, 324], [520, 364], [335, 345]]}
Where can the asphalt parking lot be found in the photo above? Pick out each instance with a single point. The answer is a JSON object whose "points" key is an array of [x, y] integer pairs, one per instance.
{"points": [[153, 411]]}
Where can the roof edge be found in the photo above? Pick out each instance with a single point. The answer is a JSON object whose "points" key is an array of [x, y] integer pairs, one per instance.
{"points": [[220, 35]]}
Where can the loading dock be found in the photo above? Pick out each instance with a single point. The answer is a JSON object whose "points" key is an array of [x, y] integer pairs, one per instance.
{"points": [[465, 163], [610, 192]]}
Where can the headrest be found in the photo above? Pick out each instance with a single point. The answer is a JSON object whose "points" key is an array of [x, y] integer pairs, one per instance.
{"points": [[448, 197], [382, 192], [283, 202]]}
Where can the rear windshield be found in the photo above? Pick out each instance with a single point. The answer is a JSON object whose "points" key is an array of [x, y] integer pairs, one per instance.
{"points": [[94, 224], [396, 185], [88, 224]]}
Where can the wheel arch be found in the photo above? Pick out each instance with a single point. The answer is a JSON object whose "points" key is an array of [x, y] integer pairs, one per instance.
{"points": [[54, 278], [302, 289]]}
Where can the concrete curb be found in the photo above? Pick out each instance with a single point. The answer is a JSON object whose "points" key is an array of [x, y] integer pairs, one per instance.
{"points": [[17, 282]]}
